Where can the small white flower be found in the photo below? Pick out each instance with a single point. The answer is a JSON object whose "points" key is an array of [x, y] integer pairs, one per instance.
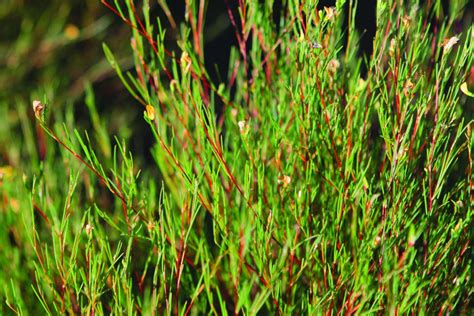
{"points": [[377, 240], [88, 229], [242, 126]]}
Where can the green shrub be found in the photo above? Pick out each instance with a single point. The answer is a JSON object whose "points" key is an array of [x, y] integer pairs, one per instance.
{"points": [[311, 180]]}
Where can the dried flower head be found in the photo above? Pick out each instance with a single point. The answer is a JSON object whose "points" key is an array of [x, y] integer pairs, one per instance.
{"points": [[150, 112], [333, 65], [38, 108], [285, 180], [185, 62], [393, 47], [408, 87], [151, 226], [448, 43], [330, 13], [406, 21]]}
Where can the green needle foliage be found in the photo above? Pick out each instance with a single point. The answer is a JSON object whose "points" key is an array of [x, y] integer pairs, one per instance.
{"points": [[311, 180]]}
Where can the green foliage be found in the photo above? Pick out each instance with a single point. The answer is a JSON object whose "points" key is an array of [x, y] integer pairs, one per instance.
{"points": [[311, 180]]}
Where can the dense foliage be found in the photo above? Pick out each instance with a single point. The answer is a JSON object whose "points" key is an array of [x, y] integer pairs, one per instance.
{"points": [[311, 179]]}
